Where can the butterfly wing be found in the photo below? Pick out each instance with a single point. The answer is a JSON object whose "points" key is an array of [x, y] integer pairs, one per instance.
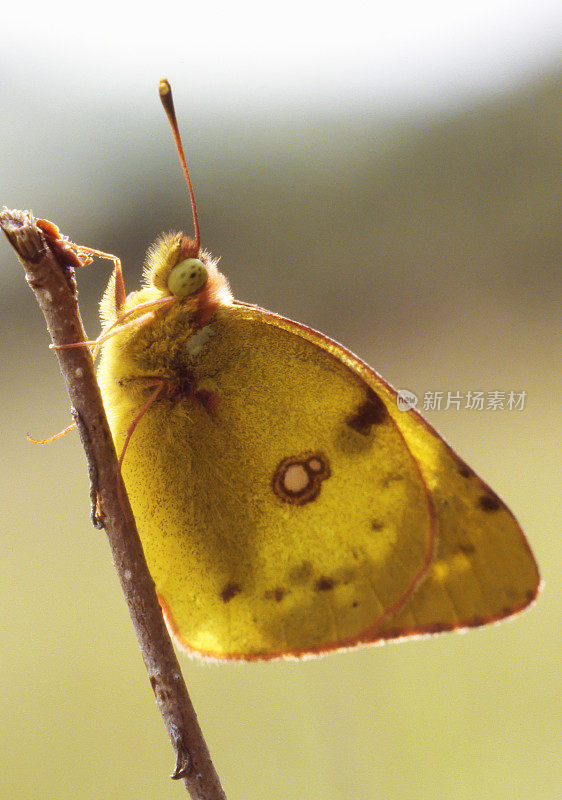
{"points": [[482, 568], [294, 510]]}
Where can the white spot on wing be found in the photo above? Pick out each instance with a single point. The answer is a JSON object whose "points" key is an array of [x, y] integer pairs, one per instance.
{"points": [[295, 479], [199, 340]]}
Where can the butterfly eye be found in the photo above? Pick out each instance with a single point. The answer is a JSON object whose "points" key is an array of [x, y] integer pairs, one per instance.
{"points": [[186, 277]]}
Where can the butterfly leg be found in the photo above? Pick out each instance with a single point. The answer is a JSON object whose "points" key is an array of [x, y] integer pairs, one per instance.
{"points": [[77, 255]]}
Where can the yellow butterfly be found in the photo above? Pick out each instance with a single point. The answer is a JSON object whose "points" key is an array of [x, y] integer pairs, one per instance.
{"points": [[286, 506]]}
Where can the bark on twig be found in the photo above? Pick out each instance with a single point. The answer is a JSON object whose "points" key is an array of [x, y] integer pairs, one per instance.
{"points": [[52, 281]]}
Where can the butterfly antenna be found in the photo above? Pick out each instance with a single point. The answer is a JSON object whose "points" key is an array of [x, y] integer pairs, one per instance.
{"points": [[165, 91]]}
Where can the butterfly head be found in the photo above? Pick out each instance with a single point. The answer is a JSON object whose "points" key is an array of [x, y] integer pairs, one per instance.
{"points": [[189, 274], [176, 266]]}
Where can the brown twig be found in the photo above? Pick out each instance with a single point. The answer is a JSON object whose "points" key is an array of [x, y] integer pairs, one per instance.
{"points": [[52, 281]]}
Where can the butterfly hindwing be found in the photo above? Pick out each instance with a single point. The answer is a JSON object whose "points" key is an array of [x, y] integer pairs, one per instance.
{"points": [[482, 569]]}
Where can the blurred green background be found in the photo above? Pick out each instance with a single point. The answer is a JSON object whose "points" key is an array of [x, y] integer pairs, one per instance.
{"points": [[425, 236]]}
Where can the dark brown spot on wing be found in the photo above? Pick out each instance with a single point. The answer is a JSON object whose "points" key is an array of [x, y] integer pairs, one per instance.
{"points": [[464, 470], [209, 400], [276, 594], [185, 388], [489, 502], [324, 584], [230, 591], [372, 411], [377, 525], [298, 479]]}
